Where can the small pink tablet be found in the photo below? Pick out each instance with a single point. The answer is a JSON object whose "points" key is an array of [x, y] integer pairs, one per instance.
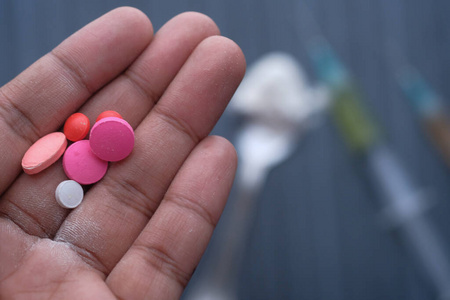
{"points": [[112, 139], [44, 152], [108, 113], [83, 166]]}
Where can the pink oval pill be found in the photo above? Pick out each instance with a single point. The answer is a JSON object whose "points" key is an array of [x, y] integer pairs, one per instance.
{"points": [[83, 166], [112, 139], [44, 152]]}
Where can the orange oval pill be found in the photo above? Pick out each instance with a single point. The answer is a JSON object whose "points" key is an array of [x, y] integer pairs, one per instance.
{"points": [[76, 127], [44, 152], [107, 114]]}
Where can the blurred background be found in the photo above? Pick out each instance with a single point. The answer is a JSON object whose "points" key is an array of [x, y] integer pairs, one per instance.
{"points": [[321, 224]]}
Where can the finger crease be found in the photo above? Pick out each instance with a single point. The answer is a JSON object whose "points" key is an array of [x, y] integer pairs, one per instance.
{"points": [[77, 73], [178, 124], [131, 195], [89, 257], [162, 262], [193, 206], [42, 232], [135, 80], [12, 122], [6, 216]]}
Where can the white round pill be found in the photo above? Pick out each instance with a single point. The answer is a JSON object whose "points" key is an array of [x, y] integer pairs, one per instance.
{"points": [[69, 194]]}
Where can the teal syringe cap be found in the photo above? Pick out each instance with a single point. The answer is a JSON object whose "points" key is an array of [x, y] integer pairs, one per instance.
{"points": [[422, 96], [326, 64]]}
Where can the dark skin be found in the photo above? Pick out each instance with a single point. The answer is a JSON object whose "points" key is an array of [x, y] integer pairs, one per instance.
{"points": [[142, 229]]}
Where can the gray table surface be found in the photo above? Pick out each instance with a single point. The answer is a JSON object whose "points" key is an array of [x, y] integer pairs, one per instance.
{"points": [[317, 233]]}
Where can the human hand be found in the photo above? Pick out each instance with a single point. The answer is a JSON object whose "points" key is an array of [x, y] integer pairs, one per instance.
{"points": [[140, 232]]}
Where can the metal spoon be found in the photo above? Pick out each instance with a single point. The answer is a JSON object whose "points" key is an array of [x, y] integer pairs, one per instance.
{"points": [[278, 104]]}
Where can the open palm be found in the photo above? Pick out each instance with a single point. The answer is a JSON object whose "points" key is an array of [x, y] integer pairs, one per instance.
{"points": [[140, 231]]}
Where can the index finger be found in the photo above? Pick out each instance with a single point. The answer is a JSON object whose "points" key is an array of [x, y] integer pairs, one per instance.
{"points": [[38, 100]]}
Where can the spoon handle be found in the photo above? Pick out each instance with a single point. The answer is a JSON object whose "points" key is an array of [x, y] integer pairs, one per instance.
{"points": [[218, 279], [233, 239]]}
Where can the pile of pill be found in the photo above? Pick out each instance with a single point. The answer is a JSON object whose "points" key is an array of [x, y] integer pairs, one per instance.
{"points": [[85, 161]]}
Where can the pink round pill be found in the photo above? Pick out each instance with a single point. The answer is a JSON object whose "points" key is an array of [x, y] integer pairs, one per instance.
{"points": [[83, 166], [112, 139]]}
